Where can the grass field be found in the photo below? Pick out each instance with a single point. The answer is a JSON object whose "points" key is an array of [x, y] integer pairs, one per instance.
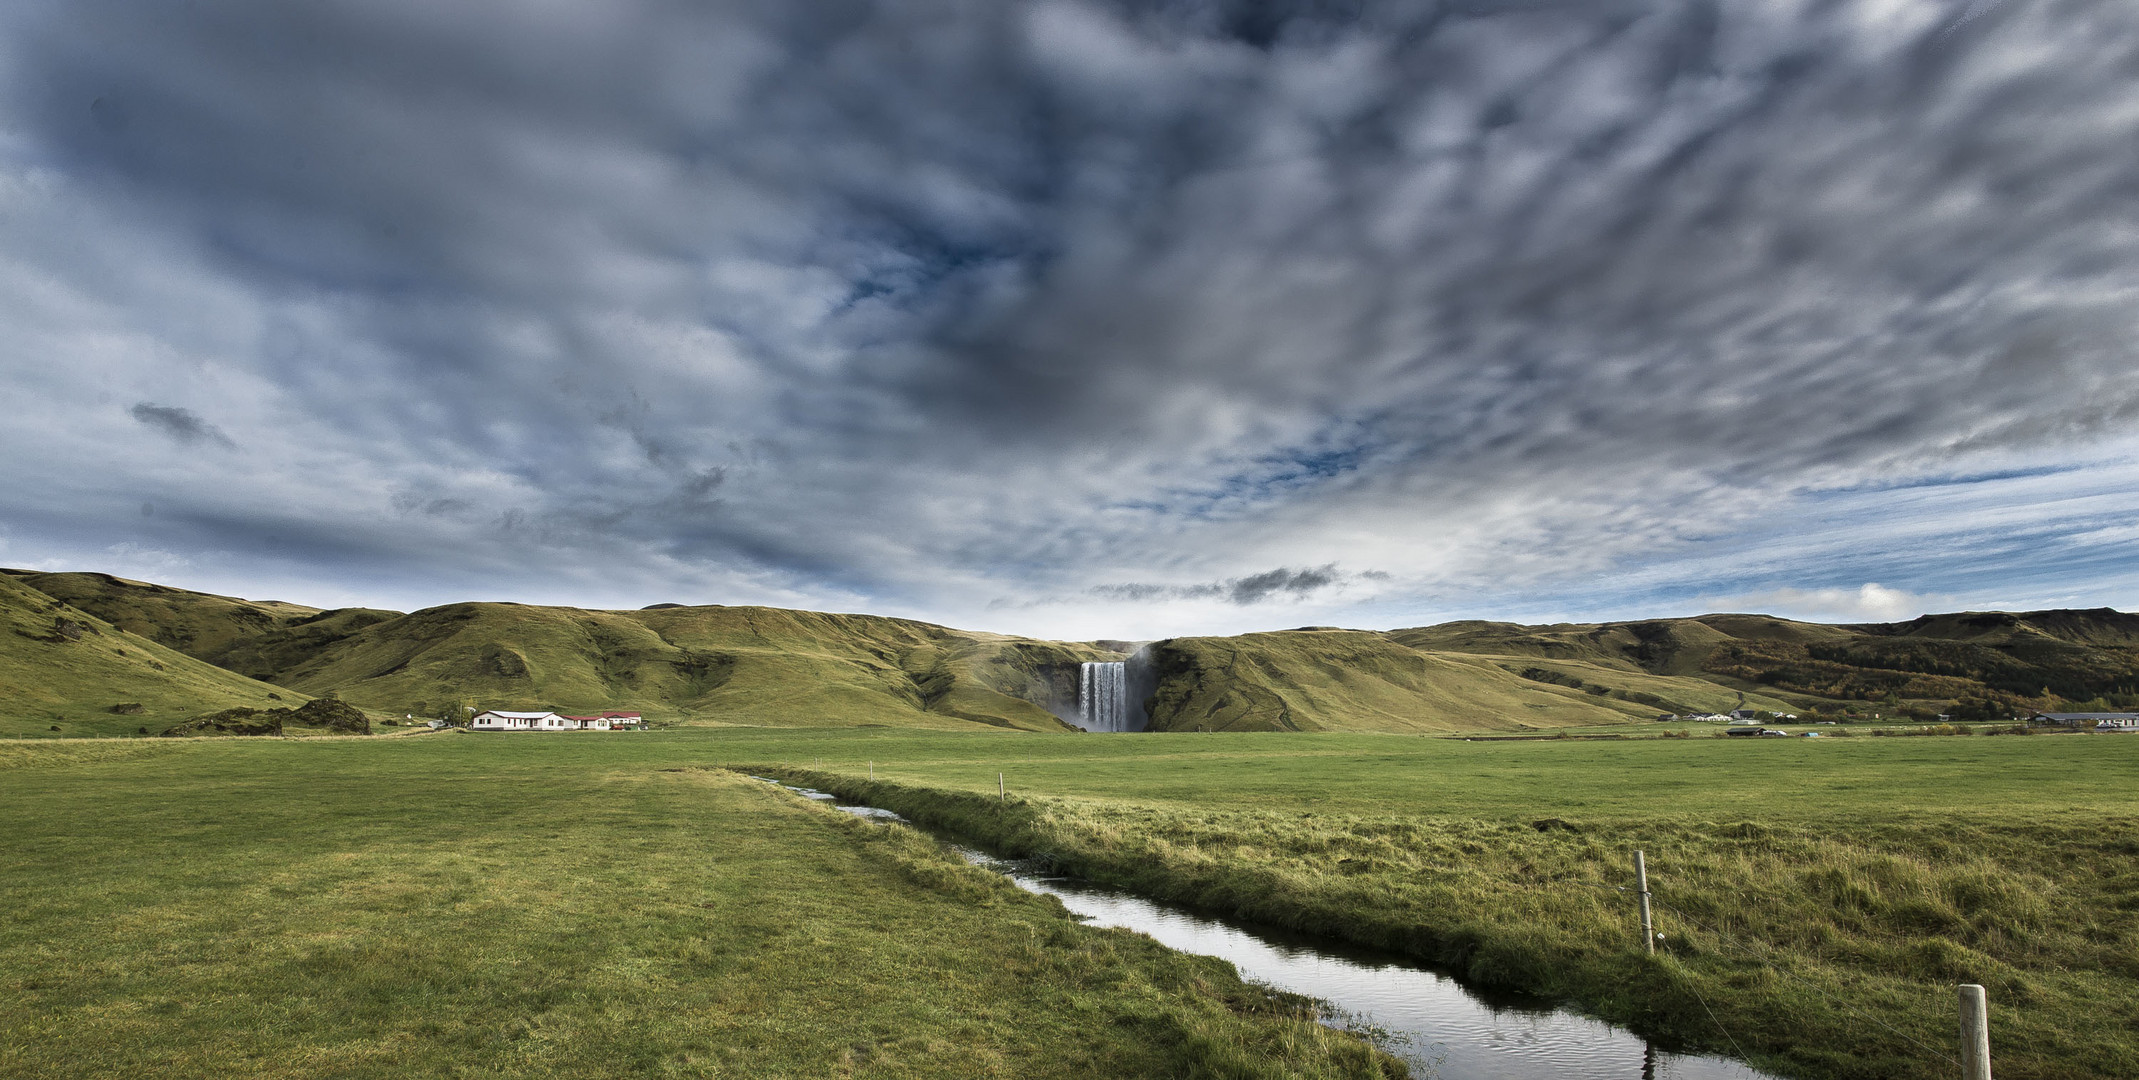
{"points": [[571, 906], [1820, 897], [561, 905]]}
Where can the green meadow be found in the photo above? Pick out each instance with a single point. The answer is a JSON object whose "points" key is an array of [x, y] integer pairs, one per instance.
{"points": [[1819, 899], [474, 907], [583, 904]]}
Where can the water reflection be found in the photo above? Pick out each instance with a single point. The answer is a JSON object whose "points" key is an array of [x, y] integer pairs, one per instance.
{"points": [[1439, 1027]]}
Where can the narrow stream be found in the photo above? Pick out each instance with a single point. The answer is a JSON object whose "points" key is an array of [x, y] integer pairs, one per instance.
{"points": [[1435, 1024]]}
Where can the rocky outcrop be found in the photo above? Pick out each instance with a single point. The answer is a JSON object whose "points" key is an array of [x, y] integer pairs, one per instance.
{"points": [[231, 722], [322, 713], [332, 715]]}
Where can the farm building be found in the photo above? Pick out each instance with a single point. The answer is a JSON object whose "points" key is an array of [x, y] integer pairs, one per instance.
{"points": [[2100, 721], [495, 720]]}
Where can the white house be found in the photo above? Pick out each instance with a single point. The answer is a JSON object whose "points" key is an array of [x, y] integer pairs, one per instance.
{"points": [[495, 720]]}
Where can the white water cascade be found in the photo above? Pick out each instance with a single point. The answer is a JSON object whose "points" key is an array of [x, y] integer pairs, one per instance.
{"points": [[1103, 697]]}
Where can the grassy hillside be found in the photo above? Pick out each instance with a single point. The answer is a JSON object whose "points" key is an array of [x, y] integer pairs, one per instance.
{"points": [[748, 665], [260, 638], [1987, 662], [739, 665], [61, 666], [685, 664], [1344, 680], [1639, 692]]}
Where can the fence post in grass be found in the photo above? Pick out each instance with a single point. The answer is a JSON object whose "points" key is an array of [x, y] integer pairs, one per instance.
{"points": [[1002, 794], [872, 772], [1975, 1033], [1648, 921]]}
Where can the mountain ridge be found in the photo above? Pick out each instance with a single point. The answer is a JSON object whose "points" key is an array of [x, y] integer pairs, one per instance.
{"points": [[724, 664]]}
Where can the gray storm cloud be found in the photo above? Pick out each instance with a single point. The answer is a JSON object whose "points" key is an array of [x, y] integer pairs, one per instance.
{"points": [[180, 424], [914, 305], [1280, 583]]}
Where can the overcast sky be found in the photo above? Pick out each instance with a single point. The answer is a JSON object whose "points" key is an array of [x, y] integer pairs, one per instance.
{"points": [[1078, 318]]}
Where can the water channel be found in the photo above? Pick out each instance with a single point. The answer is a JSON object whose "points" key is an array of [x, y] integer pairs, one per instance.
{"points": [[1439, 1027]]}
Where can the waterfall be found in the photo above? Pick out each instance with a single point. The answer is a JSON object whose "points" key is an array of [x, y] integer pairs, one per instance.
{"points": [[1103, 697]]}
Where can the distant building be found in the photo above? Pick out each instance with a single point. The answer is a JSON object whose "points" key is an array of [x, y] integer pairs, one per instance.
{"points": [[2100, 721], [496, 720]]}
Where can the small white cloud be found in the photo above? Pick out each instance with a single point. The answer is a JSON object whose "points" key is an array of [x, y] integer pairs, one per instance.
{"points": [[1869, 602], [135, 561]]}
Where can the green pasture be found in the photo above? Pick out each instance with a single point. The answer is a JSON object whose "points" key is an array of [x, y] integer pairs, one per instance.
{"points": [[593, 903], [1861, 779], [1820, 898], [573, 906]]}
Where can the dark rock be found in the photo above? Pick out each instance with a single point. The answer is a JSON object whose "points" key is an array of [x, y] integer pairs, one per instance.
{"points": [[128, 708], [231, 722], [63, 630], [332, 714], [325, 712]]}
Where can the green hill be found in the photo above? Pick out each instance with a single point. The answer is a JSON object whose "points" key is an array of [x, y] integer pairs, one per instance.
{"points": [[260, 638], [768, 666], [1340, 680], [1351, 680], [1991, 663], [66, 667], [736, 665]]}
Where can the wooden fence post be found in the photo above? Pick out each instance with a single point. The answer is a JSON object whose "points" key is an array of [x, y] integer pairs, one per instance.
{"points": [[1975, 1033], [1002, 794], [1648, 920]]}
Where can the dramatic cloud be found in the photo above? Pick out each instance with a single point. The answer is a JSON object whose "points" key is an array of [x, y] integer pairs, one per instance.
{"points": [[180, 424], [967, 310], [1253, 589]]}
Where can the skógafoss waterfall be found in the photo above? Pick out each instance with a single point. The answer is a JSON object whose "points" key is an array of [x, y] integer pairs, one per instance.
{"points": [[1105, 699]]}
